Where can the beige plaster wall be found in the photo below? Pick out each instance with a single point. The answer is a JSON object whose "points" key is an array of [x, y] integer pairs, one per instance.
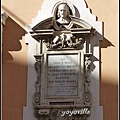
{"points": [[14, 55]]}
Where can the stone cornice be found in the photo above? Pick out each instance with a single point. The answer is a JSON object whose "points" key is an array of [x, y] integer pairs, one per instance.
{"points": [[4, 17]]}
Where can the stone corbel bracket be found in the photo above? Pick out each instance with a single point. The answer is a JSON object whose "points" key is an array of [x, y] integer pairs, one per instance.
{"points": [[42, 114]]}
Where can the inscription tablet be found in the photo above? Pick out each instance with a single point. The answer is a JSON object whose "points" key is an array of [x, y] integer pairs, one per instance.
{"points": [[63, 75]]}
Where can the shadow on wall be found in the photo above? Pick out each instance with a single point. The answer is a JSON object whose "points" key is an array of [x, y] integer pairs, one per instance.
{"points": [[109, 100], [12, 14], [108, 91], [12, 33], [106, 43], [14, 74]]}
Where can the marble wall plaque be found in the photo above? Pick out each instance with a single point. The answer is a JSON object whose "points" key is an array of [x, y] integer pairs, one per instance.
{"points": [[62, 74]]}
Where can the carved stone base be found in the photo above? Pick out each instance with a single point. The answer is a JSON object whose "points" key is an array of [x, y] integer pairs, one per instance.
{"points": [[58, 114], [62, 112]]}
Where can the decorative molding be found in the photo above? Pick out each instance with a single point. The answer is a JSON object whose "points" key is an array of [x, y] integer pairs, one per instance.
{"points": [[4, 17]]}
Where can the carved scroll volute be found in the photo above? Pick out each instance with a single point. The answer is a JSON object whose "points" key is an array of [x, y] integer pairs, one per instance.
{"points": [[87, 94]]}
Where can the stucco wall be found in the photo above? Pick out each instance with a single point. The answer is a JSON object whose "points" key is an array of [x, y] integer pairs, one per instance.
{"points": [[14, 55]]}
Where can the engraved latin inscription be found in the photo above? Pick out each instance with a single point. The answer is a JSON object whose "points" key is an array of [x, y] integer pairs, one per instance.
{"points": [[62, 75]]}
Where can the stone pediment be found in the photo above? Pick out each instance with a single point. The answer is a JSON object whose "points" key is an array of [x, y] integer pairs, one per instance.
{"points": [[73, 33], [73, 21], [49, 23]]}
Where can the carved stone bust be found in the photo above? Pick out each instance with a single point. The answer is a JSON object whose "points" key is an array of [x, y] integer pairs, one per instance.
{"points": [[64, 30], [63, 14]]}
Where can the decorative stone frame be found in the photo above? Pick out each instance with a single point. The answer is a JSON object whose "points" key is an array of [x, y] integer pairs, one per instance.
{"points": [[39, 46]]}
